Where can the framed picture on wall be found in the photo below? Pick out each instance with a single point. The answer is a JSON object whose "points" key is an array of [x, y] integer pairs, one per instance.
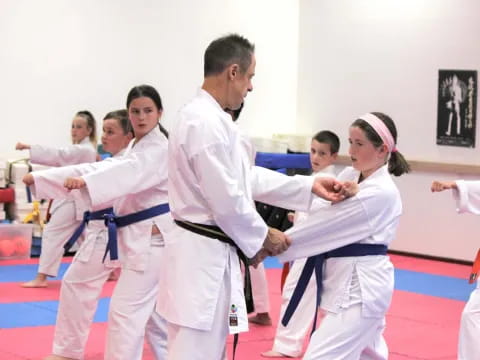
{"points": [[457, 104]]}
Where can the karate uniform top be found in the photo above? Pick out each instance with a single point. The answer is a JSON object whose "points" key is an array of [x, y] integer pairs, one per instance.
{"points": [[370, 217], [134, 182], [467, 196], [211, 181], [84, 152]]}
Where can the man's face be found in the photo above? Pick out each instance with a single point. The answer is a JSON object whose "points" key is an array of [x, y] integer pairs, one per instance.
{"points": [[241, 84]]}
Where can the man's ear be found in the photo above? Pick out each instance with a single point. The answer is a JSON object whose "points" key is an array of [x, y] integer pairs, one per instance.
{"points": [[233, 71]]}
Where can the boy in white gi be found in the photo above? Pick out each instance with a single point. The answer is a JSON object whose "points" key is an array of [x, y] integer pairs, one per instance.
{"points": [[467, 196], [66, 215], [347, 246], [211, 191], [289, 339]]}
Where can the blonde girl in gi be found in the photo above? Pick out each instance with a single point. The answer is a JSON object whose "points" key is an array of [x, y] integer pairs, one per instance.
{"points": [[347, 245], [467, 197], [65, 214], [134, 184]]}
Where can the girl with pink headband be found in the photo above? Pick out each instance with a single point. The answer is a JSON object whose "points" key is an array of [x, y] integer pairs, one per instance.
{"points": [[346, 245]]}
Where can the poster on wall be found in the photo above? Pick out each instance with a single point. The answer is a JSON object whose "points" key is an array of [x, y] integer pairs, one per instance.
{"points": [[457, 104]]}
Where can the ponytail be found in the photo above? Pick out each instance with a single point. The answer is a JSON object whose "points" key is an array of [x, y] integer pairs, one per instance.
{"points": [[397, 165]]}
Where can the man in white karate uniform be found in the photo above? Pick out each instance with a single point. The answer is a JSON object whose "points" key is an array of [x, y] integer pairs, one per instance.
{"points": [[211, 192]]}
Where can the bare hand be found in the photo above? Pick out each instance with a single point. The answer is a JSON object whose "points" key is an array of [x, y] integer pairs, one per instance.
{"points": [[276, 242], [28, 180], [72, 183], [438, 186], [259, 257], [328, 189], [347, 189], [22, 146]]}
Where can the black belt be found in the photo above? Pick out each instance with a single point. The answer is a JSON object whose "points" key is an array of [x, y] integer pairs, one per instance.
{"points": [[214, 232]]}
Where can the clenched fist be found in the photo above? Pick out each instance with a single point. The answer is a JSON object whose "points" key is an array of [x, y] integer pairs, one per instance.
{"points": [[28, 180], [438, 186], [73, 183], [22, 146], [276, 242]]}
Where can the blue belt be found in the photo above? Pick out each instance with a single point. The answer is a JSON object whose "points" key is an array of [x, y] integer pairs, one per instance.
{"points": [[87, 216], [316, 263], [113, 222]]}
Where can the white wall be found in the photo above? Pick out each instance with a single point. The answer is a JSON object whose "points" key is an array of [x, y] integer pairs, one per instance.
{"points": [[320, 63], [384, 55], [61, 56]]}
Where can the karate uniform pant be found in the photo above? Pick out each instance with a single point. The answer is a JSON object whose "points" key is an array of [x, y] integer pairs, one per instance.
{"points": [[348, 336], [469, 342], [56, 233], [131, 309], [289, 339], [186, 343], [260, 289]]}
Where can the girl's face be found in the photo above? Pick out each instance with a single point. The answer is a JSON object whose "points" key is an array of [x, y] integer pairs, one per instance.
{"points": [[365, 157], [144, 116], [80, 129], [113, 138], [320, 155]]}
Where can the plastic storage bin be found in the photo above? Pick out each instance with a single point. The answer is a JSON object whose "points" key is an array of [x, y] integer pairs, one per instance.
{"points": [[15, 241]]}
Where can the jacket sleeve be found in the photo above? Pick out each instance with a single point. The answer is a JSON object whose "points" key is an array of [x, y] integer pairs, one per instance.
{"points": [[68, 155], [350, 221], [127, 175], [49, 183], [289, 192], [467, 196]]}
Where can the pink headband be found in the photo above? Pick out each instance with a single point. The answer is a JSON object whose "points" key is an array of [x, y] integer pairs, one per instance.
{"points": [[381, 129]]}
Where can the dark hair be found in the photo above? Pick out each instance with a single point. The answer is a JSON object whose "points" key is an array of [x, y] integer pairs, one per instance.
{"points": [[397, 165], [150, 92], [235, 114], [330, 138], [225, 51], [91, 123], [122, 117]]}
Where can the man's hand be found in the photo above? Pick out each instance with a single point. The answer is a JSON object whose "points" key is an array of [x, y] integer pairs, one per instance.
{"points": [[259, 257], [73, 183], [328, 188], [348, 189], [22, 146], [28, 180], [438, 186], [276, 242]]}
